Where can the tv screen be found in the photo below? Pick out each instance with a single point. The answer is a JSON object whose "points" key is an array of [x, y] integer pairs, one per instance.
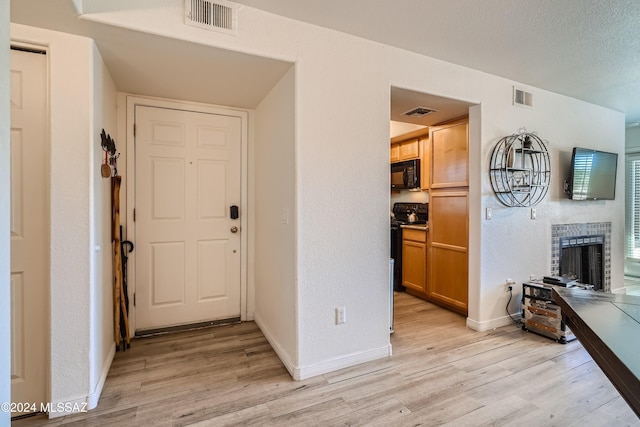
{"points": [[593, 175]]}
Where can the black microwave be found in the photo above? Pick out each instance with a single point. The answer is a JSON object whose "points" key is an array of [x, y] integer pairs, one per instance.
{"points": [[405, 175]]}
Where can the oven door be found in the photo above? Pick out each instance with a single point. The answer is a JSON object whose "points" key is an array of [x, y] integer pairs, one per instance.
{"points": [[396, 254]]}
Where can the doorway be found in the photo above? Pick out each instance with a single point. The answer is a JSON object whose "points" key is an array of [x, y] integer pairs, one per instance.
{"points": [[189, 203], [438, 130], [29, 226]]}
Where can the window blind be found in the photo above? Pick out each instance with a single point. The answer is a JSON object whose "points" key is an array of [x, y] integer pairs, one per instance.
{"points": [[632, 171]]}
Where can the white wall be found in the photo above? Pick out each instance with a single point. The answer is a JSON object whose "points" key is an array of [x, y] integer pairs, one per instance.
{"points": [[5, 248], [632, 139], [512, 244], [78, 275], [274, 196], [101, 334], [342, 88]]}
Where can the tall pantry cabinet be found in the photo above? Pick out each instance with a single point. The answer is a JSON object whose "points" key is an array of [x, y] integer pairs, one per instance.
{"points": [[448, 237]]}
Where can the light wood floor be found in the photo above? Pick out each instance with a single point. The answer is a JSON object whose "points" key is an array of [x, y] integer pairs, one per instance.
{"points": [[440, 373]]}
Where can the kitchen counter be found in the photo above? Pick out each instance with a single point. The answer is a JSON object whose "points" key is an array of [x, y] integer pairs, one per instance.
{"points": [[421, 227]]}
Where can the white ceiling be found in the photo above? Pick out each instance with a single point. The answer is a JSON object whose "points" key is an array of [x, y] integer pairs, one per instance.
{"points": [[587, 49], [151, 65]]}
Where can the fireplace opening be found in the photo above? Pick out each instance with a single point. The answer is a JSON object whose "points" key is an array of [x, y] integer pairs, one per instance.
{"points": [[581, 259]]}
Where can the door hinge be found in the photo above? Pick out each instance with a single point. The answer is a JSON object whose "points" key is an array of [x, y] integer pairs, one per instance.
{"points": [[134, 214], [134, 129], [134, 299]]}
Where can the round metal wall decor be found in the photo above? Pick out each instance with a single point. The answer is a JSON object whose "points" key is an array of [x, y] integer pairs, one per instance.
{"points": [[520, 169]]}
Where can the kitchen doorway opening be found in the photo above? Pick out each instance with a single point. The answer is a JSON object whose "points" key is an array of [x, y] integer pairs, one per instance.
{"points": [[430, 250]]}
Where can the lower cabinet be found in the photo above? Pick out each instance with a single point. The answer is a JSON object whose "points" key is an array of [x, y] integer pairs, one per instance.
{"points": [[448, 249], [414, 260]]}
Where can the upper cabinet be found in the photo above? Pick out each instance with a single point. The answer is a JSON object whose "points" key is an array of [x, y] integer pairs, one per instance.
{"points": [[425, 163], [395, 153], [405, 150], [449, 155]]}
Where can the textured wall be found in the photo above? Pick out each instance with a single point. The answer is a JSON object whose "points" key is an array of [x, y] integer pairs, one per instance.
{"points": [[275, 246], [101, 334]]}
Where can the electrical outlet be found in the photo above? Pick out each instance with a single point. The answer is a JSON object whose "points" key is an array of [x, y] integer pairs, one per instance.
{"points": [[341, 315], [488, 213], [509, 283]]}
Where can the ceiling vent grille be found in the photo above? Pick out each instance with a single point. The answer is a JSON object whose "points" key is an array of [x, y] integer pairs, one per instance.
{"points": [[419, 112], [522, 98], [216, 15]]}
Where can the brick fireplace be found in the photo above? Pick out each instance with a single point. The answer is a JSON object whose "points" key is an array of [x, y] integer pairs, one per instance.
{"points": [[590, 242]]}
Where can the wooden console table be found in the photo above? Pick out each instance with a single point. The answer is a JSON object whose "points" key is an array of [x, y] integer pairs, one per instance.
{"points": [[608, 326]]}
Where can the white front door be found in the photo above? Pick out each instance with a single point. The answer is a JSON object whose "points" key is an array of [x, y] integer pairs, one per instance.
{"points": [[187, 176], [29, 228]]}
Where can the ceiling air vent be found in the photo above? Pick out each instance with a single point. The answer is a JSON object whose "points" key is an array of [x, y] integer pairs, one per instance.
{"points": [[216, 15], [522, 98], [419, 112]]}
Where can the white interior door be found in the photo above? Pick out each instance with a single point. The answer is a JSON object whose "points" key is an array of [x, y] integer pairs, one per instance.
{"points": [[187, 175], [29, 228]]}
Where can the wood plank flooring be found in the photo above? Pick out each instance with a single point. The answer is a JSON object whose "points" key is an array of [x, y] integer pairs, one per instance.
{"points": [[441, 373]]}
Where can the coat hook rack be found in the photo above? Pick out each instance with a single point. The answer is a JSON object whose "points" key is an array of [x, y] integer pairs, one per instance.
{"points": [[110, 166]]}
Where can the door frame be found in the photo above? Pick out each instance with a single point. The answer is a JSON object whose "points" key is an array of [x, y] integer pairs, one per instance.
{"points": [[20, 44], [129, 188]]}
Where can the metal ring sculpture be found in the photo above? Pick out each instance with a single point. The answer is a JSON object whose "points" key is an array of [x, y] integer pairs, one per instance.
{"points": [[520, 169]]}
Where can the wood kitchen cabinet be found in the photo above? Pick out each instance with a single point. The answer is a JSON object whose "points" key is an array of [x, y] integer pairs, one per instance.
{"points": [[448, 282], [405, 150], [410, 149], [425, 163], [394, 155], [414, 260], [449, 155]]}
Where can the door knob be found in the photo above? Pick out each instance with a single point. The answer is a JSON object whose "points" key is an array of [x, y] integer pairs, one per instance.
{"points": [[234, 229]]}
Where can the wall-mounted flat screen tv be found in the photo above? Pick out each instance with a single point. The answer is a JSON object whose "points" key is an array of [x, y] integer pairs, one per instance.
{"points": [[593, 175]]}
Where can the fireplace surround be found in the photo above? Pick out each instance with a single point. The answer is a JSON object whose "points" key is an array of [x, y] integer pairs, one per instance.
{"points": [[582, 235]]}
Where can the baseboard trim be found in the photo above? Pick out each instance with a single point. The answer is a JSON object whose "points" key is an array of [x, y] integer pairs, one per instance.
{"points": [[493, 323], [84, 404], [282, 354], [94, 397], [342, 362], [302, 373]]}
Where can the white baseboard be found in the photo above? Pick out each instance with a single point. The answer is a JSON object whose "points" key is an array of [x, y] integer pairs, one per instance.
{"points": [[622, 290], [282, 354], [302, 373], [342, 362], [84, 404], [95, 395], [493, 323]]}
